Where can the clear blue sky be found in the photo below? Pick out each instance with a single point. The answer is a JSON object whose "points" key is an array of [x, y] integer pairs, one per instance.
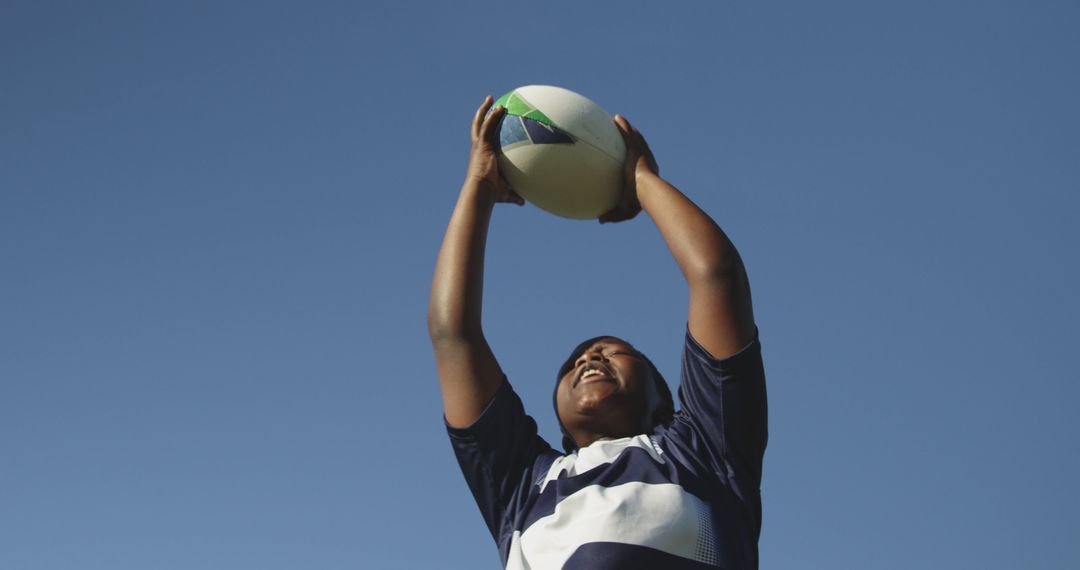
{"points": [[218, 222]]}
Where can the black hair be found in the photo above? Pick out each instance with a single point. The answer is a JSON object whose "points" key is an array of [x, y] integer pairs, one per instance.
{"points": [[665, 408]]}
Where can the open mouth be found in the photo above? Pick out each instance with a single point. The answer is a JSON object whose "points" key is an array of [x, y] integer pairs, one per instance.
{"points": [[594, 373]]}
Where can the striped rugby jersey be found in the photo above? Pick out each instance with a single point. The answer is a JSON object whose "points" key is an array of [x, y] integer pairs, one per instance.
{"points": [[686, 496]]}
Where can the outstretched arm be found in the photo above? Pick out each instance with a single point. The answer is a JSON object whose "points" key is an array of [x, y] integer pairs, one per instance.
{"points": [[469, 375], [720, 317]]}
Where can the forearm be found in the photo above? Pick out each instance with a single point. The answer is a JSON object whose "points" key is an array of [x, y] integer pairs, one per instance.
{"points": [[469, 375], [720, 314], [454, 307], [700, 248]]}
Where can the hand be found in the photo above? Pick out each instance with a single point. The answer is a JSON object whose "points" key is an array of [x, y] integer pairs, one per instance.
{"points": [[483, 158], [639, 160]]}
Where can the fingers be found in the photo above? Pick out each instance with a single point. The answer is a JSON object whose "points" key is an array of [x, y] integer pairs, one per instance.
{"points": [[491, 124], [507, 194], [636, 143], [478, 118], [624, 127], [618, 214], [515, 197], [631, 136], [628, 130]]}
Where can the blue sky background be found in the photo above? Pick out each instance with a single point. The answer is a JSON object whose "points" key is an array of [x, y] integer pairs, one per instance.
{"points": [[218, 222]]}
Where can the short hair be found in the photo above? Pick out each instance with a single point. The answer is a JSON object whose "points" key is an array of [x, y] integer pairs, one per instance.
{"points": [[662, 415]]}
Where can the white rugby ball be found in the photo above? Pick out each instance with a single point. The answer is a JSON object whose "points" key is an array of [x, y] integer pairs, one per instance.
{"points": [[560, 151]]}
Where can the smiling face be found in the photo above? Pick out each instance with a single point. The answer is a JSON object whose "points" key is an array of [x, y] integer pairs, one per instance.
{"points": [[607, 391]]}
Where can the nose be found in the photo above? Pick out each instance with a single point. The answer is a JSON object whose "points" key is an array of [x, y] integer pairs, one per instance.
{"points": [[592, 353]]}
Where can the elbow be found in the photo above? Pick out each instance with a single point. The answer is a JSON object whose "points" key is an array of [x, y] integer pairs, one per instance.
{"points": [[444, 326], [439, 325], [717, 269]]}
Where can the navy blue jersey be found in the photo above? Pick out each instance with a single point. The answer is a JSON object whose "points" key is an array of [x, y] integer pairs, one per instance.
{"points": [[685, 496]]}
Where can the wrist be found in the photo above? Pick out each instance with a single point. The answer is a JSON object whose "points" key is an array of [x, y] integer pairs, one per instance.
{"points": [[480, 190], [643, 173], [645, 179]]}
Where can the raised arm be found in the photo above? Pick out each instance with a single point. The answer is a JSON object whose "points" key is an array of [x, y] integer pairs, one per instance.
{"points": [[720, 317], [469, 375]]}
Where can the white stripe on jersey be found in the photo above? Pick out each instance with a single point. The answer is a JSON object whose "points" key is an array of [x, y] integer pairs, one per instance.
{"points": [[599, 453], [660, 516]]}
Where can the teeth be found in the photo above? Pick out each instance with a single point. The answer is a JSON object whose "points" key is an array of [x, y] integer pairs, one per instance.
{"points": [[591, 372]]}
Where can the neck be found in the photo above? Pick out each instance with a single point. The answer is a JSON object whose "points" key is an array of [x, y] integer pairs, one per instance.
{"points": [[585, 438]]}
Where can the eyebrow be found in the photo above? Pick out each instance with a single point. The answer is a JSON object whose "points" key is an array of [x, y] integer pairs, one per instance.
{"points": [[605, 342], [618, 345]]}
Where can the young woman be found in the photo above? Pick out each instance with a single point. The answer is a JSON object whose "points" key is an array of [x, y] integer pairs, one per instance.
{"points": [[639, 485]]}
